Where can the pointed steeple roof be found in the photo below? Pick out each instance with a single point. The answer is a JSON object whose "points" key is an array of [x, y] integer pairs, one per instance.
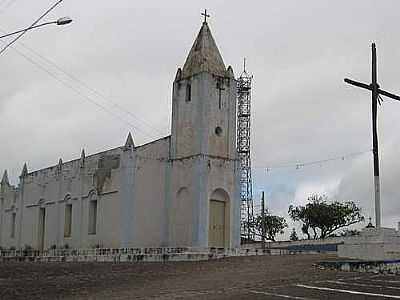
{"points": [[229, 72], [24, 170], [82, 160], [178, 75], [129, 141], [204, 55], [4, 180]]}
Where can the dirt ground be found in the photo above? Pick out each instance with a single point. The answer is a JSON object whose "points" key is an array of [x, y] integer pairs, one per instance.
{"points": [[257, 277]]}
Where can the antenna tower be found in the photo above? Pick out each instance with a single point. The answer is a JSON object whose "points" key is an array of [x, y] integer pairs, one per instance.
{"points": [[243, 147]]}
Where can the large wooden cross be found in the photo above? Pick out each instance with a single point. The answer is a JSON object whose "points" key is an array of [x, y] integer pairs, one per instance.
{"points": [[376, 91]]}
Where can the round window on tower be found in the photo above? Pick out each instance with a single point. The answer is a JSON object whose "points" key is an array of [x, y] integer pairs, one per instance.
{"points": [[218, 131]]}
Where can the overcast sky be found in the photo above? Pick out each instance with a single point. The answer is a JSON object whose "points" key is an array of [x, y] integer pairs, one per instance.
{"points": [[123, 56]]}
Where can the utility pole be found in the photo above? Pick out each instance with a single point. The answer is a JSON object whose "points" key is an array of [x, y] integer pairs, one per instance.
{"points": [[376, 98], [262, 222]]}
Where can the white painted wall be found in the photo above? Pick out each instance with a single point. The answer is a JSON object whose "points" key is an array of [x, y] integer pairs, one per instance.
{"points": [[149, 206], [52, 188], [372, 244], [203, 161], [136, 188]]}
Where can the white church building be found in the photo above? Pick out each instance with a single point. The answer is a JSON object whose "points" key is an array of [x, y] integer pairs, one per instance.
{"points": [[178, 191]]}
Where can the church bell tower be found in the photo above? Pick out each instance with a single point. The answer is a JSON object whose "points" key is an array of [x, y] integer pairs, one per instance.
{"points": [[204, 103], [204, 202]]}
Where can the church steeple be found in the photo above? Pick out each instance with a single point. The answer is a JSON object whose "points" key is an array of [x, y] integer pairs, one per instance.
{"points": [[204, 56], [204, 102]]}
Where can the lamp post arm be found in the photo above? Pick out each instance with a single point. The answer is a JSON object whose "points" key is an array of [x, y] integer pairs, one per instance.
{"points": [[32, 25], [26, 29]]}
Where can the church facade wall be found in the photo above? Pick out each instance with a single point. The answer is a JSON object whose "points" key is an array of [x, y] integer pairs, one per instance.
{"points": [[178, 191], [8, 215], [50, 190], [182, 200], [147, 200], [149, 205], [195, 180]]}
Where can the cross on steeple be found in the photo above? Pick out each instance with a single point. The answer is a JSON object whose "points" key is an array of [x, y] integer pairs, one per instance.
{"points": [[205, 15]]}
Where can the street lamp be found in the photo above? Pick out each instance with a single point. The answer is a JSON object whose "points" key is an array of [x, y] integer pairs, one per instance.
{"points": [[64, 21], [60, 21]]}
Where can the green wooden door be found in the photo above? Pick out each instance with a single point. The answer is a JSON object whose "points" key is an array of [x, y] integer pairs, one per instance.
{"points": [[216, 227]]}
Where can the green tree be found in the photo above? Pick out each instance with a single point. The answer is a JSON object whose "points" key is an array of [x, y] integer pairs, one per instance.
{"points": [[323, 218], [293, 235], [273, 225]]}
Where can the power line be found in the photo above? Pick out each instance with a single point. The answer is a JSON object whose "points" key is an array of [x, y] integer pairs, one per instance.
{"points": [[87, 98], [74, 78], [33, 24], [91, 89], [86, 86], [299, 165]]}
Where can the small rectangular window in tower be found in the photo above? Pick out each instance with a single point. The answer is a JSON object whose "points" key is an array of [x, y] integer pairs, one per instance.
{"points": [[92, 216], [68, 220], [188, 97], [220, 88], [13, 221]]}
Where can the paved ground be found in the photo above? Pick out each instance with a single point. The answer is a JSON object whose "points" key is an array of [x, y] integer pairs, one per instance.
{"points": [[268, 277]]}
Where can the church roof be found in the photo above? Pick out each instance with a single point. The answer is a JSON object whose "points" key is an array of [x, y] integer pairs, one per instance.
{"points": [[204, 56]]}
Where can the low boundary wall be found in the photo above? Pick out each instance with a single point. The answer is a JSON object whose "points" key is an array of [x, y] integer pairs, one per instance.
{"points": [[379, 266], [135, 254], [328, 245]]}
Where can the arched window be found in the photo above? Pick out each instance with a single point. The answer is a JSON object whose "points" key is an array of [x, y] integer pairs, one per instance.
{"points": [[92, 229], [68, 220], [188, 96], [13, 221], [67, 216]]}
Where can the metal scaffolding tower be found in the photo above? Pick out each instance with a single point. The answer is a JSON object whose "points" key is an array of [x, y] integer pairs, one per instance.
{"points": [[243, 147]]}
